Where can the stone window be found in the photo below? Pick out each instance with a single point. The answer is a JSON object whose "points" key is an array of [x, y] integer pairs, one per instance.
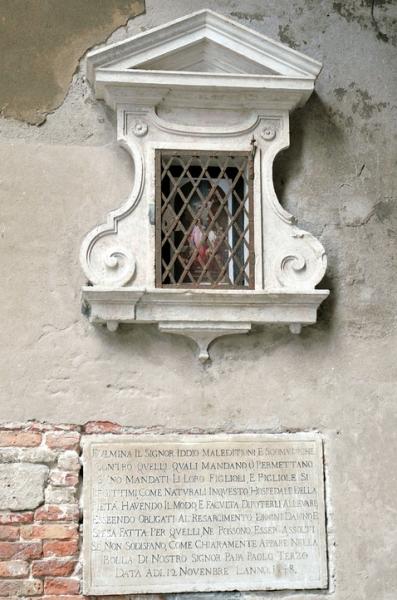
{"points": [[202, 246], [204, 220]]}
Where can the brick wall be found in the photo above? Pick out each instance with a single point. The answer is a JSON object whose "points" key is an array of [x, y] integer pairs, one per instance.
{"points": [[39, 511]]}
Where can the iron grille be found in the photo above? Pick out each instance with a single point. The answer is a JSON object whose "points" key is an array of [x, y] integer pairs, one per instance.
{"points": [[204, 220]]}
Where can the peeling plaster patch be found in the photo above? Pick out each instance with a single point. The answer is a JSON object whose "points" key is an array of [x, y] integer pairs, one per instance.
{"points": [[386, 212], [357, 211], [364, 104], [247, 16], [356, 102], [385, 209], [375, 14], [41, 44], [340, 118], [340, 93], [348, 10], [284, 33], [78, 120]]}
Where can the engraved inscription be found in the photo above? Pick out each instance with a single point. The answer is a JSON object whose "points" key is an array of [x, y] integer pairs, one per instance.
{"points": [[203, 513]]}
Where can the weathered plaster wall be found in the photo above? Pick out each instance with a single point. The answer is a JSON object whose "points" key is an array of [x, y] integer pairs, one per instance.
{"points": [[59, 180], [41, 43]]}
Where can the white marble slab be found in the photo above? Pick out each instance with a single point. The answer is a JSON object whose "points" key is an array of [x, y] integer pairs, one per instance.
{"points": [[178, 513]]}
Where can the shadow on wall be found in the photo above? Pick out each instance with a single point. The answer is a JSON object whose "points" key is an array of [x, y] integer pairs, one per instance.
{"points": [[315, 122]]}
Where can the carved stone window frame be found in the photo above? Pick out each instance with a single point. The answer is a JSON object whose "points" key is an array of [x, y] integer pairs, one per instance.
{"points": [[163, 107]]}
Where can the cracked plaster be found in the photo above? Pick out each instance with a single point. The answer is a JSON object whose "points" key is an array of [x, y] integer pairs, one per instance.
{"points": [[339, 376]]}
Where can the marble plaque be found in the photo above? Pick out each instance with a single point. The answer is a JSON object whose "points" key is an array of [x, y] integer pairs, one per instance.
{"points": [[167, 514]]}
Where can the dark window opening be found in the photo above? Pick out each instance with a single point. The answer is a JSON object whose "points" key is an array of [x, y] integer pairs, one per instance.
{"points": [[204, 220]]}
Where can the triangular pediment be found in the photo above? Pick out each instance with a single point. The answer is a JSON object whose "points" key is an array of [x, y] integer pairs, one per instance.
{"points": [[205, 56], [203, 42]]}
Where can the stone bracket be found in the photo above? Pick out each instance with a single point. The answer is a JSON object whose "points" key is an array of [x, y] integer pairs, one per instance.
{"points": [[204, 333]]}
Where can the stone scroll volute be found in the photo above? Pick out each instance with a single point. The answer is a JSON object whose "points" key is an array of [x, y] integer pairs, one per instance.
{"points": [[107, 255]]}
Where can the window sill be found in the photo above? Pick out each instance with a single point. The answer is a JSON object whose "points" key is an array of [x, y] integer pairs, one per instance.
{"points": [[202, 315]]}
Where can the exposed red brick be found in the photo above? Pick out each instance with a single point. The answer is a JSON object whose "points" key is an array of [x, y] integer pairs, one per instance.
{"points": [[64, 478], [20, 550], [57, 512], [59, 586], [53, 531], [38, 426], [57, 567], [9, 532], [21, 587], [24, 439], [66, 597], [14, 568], [64, 440], [60, 548], [13, 426], [7, 518], [102, 427]]}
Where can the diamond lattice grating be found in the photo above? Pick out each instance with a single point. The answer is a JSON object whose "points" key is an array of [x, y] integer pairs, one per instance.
{"points": [[204, 220]]}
